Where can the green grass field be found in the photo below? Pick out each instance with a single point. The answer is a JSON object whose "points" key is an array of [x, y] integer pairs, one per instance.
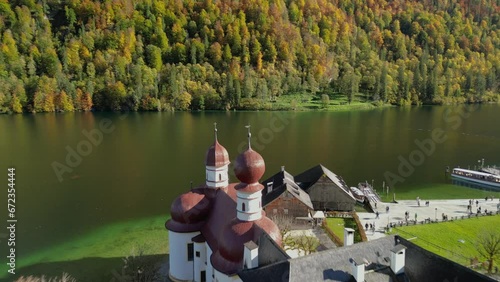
{"points": [[454, 240], [337, 226], [439, 192], [306, 102]]}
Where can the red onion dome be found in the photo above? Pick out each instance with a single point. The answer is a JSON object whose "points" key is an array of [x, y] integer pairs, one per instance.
{"points": [[233, 237], [190, 208], [217, 155], [249, 166], [266, 224]]}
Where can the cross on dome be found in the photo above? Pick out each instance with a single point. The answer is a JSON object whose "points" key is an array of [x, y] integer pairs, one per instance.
{"points": [[249, 136], [215, 130]]}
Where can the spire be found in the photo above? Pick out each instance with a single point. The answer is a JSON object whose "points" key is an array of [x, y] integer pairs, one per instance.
{"points": [[215, 131], [249, 136]]}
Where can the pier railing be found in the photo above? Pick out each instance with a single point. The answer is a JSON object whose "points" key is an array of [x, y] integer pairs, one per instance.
{"points": [[408, 222]]}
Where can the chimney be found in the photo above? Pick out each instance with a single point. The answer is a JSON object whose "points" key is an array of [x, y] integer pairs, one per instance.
{"points": [[398, 259], [269, 187], [358, 269], [251, 255], [348, 236], [282, 168]]}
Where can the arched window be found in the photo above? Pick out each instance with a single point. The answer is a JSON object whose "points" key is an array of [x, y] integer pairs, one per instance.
{"points": [[220, 177], [242, 206]]}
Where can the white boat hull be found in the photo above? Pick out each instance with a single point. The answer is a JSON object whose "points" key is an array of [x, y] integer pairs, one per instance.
{"points": [[477, 181]]}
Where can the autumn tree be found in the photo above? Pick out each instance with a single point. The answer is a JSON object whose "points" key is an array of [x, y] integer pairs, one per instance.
{"points": [[438, 52], [63, 102], [488, 246], [306, 244], [285, 223]]}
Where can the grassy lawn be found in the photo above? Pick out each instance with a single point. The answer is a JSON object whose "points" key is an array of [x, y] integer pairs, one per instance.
{"points": [[337, 225], [439, 192], [94, 256], [451, 238], [307, 102]]}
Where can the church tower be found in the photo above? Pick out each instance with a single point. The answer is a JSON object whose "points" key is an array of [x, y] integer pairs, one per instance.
{"points": [[217, 164], [249, 168]]}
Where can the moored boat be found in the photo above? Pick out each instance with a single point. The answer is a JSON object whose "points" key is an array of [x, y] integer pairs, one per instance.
{"points": [[358, 194], [481, 178]]}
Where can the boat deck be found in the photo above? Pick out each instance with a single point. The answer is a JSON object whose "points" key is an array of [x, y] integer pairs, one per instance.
{"points": [[491, 170]]}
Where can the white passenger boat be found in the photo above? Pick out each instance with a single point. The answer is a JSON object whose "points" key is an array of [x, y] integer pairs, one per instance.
{"points": [[481, 178]]}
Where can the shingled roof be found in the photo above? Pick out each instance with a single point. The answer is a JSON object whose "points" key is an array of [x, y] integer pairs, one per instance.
{"points": [[309, 177], [281, 182], [420, 264], [335, 265]]}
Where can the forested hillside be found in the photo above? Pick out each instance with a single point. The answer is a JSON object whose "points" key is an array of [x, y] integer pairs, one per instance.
{"points": [[58, 55]]}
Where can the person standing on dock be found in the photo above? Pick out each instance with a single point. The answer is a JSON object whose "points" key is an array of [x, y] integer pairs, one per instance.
{"points": [[415, 217], [377, 215]]}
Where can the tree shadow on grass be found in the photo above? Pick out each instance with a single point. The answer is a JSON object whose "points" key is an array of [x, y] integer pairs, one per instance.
{"points": [[93, 269]]}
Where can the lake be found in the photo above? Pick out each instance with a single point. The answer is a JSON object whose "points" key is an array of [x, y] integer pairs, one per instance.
{"points": [[130, 166]]}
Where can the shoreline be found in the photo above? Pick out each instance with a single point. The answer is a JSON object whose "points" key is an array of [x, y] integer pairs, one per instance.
{"points": [[355, 106]]}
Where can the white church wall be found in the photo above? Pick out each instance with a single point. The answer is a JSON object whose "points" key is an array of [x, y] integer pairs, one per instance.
{"points": [[181, 268], [200, 259]]}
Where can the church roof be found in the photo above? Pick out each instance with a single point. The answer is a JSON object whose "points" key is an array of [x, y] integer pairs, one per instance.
{"points": [[189, 211], [217, 155], [227, 244]]}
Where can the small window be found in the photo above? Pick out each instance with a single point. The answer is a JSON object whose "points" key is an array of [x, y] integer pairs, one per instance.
{"points": [[203, 276], [190, 251], [285, 211], [260, 204], [242, 206], [220, 177], [197, 254]]}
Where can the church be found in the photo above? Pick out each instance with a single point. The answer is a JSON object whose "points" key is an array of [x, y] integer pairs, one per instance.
{"points": [[219, 232], [215, 230]]}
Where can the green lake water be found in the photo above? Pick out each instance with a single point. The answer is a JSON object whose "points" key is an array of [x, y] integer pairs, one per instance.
{"points": [[144, 160]]}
